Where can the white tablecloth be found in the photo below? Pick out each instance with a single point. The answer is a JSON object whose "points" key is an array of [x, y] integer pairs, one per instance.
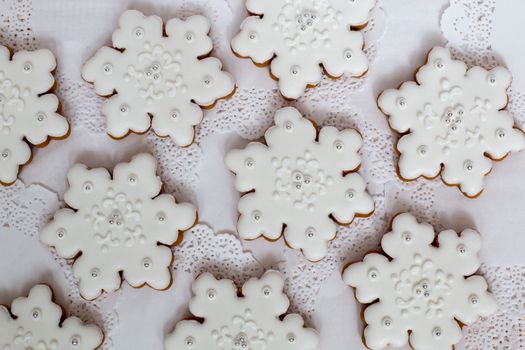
{"points": [[398, 38]]}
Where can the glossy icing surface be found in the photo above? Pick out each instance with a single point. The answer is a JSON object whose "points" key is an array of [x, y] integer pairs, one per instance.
{"points": [[423, 288], [37, 325], [303, 34], [160, 81], [116, 223], [452, 117], [297, 180], [248, 322], [27, 112]]}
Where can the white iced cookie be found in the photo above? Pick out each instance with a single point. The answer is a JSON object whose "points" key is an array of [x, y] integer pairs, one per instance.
{"points": [[27, 112], [452, 121], [251, 321], [117, 227], [420, 291], [301, 180], [156, 80], [299, 36], [37, 324]]}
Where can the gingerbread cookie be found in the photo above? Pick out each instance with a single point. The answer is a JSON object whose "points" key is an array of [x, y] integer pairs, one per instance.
{"points": [[300, 181], [36, 323], [117, 227], [452, 121], [252, 321], [420, 293], [27, 112], [158, 81], [299, 36]]}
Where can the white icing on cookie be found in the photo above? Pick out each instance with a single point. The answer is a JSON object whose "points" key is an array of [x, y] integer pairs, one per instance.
{"points": [[27, 113], [37, 325], [298, 181], [116, 225], [423, 288], [241, 323], [452, 117], [158, 76], [301, 35]]}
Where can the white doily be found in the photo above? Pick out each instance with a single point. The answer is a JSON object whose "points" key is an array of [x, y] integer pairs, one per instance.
{"points": [[15, 29], [25, 210], [220, 254]]}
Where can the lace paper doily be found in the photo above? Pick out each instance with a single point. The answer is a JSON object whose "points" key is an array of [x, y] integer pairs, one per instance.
{"points": [[221, 254]]}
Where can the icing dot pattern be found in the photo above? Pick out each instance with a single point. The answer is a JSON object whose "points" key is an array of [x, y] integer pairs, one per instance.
{"points": [[117, 223], [452, 117], [37, 325], [159, 81], [303, 34], [250, 321], [422, 289], [298, 181], [27, 112]]}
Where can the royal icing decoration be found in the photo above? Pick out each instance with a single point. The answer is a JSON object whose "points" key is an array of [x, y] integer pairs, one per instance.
{"points": [[300, 180], [302, 35], [27, 112], [452, 118], [160, 81], [117, 226], [37, 325], [249, 322], [421, 293]]}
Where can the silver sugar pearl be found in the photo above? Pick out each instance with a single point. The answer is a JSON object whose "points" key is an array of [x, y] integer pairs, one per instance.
{"points": [[267, 291], [291, 338], [36, 313], [256, 215], [189, 341], [461, 249], [146, 263], [436, 332], [75, 341], [40, 117], [6, 154], [211, 293], [139, 32]]}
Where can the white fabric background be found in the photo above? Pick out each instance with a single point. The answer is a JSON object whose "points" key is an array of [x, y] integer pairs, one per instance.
{"points": [[400, 35]]}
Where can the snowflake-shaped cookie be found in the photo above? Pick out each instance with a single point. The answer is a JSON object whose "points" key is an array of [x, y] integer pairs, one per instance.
{"points": [[302, 180], [27, 111], [453, 121], [117, 227], [422, 292], [160, 81], [248, 322], [299, 36], [37, 325]]}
